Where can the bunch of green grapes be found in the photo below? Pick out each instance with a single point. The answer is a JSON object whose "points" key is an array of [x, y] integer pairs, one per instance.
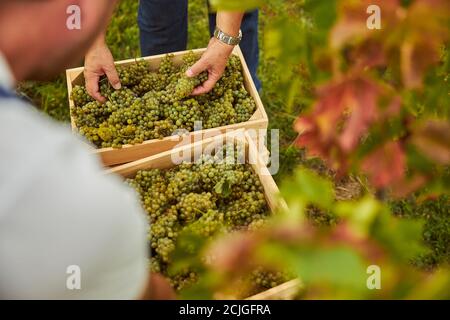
{"points": [[152, 186], [90, 114], [241, 212], [156, 266], [167, 70], [123, 98], [80, 96], [210, 196], [184, 114], [193, 205], [181, 182], [132, 74], [185, 85], [148, 83], [245, 107], [209, 224], [183, 279], [154, 105], [258, 223], [262, 279], [221, 112], [164, 247]]}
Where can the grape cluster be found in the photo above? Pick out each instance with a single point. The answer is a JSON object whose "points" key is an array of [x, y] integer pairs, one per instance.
{"points": [[205, 198], [80, 96], [183, 279], [157, 104], [262, 279]]}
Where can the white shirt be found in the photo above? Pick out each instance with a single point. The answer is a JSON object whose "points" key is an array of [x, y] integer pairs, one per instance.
{"points": [[57, 209]]}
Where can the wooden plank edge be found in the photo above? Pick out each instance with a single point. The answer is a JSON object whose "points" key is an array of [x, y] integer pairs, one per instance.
{"points": [[285, 291]]}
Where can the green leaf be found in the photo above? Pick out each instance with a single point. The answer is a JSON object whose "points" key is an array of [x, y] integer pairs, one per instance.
{"points": [[338, 266], [236, 5], [311, 188], [401, 237], [203, 289], [223, 188], [314, 265], [361, 214], [187, 252], [323, 13]]}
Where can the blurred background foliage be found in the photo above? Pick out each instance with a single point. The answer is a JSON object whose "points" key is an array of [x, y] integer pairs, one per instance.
{"points": [[342, 218]]}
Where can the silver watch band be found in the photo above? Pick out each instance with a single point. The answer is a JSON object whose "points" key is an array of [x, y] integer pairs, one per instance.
{"points": [[226, 38]]}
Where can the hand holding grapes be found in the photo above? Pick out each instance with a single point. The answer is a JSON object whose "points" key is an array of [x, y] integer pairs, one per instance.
{"points": [[216, 56], [99, 61], [214, 61]]}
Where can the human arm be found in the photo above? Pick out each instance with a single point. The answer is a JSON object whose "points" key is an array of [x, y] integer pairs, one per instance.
{"points": [[61, 210], [215, 58]]}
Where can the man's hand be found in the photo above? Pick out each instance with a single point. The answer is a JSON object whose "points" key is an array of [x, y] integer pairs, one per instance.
{"points": [[98, 62], [214, 61]]}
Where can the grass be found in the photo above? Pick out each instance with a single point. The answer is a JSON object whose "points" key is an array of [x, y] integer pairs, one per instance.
{"points": [[436, 235], [123, 39]]}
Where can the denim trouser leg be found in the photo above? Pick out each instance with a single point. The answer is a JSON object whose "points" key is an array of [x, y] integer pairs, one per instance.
{"points": [[162, 26], [249, 43], [163, 29]]}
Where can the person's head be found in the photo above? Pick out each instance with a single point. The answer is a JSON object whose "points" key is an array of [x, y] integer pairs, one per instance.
{"points": [[40, 38]]}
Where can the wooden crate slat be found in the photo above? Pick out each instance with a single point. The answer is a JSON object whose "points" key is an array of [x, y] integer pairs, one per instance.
{"points": [[285, 291]]}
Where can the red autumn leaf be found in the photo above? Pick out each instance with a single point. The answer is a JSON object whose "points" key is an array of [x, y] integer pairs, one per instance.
{"points": [[404, 187], [232, 252], [406, 46], [363, 108], [420, 44], [433, 140], [341, 116], [352, 24], [368, 55], [343, 233], [386, 165]]}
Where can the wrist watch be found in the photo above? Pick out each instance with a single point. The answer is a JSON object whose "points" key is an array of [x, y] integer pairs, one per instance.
{"points": [[226, 38]]}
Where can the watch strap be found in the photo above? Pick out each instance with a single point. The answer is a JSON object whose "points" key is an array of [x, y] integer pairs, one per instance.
{"points": [[226, 38]]}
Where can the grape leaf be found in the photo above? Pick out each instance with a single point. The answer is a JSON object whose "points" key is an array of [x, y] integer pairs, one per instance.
{"points": [[236, 5], [386, 165], [223, 188]]}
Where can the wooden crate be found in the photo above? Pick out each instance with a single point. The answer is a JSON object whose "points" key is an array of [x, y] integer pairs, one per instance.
{"points": [[164, 161], [128, 153]]}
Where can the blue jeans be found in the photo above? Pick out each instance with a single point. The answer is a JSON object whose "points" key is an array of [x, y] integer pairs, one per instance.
{"points": [[163, 29]]}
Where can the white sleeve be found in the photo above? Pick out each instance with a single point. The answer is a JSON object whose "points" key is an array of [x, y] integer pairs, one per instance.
{"points": [[68, 213]]}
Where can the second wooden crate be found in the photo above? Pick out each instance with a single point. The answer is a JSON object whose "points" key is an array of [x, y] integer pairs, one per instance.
{"points": [[272, 194]]}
